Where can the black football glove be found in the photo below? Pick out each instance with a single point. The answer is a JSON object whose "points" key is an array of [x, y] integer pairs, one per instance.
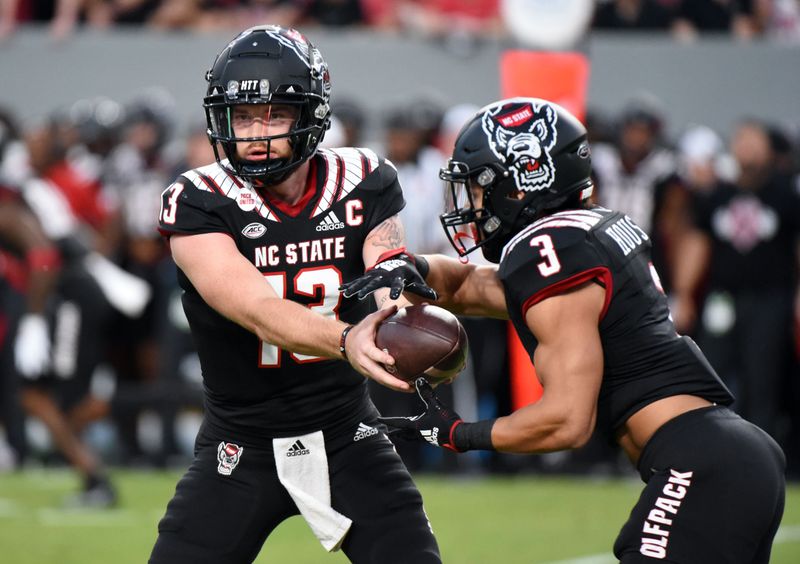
{"points": [[435, 425], [394, 269]]}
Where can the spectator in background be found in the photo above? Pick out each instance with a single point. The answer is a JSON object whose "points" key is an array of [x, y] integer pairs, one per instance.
{"points": [[632, 15], [784, 21], [352, 118], [333, 13], [784, 151], [744, 244], [638, 176], [459, 25], [700, 154], [209, 15], [410, 131], [743, 19], [599, 127]]}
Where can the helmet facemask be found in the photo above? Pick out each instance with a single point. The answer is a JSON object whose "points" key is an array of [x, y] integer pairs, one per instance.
{"points": [[302, 137], [470, 225]]}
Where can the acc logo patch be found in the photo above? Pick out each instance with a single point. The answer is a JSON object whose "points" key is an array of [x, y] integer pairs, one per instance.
{"points": [[228, 455], [523, 134], [254, 230]]}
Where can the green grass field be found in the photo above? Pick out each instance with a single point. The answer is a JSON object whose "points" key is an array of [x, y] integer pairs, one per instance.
{"points": [[477, 521]]}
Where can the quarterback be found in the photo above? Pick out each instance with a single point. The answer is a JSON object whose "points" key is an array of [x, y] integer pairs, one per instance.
{"points": [[263, 238]]}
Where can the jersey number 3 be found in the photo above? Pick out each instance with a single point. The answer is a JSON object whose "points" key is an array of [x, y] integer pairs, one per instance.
{"points": [[307, 282], [550, 265]]}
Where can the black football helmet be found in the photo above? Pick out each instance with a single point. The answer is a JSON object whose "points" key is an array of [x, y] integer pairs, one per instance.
{"points": [[264, 65], [528, 156]]}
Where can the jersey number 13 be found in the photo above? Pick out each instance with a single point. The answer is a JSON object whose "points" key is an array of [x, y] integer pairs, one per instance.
{"points": [[307, 282]]}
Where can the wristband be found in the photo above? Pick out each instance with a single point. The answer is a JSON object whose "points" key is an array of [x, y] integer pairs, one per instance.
{"points": [[342, 341], [391, 254], [473, 436]]}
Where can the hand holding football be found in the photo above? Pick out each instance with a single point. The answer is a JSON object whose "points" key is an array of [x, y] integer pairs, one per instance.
{"points": [[425, 340]]}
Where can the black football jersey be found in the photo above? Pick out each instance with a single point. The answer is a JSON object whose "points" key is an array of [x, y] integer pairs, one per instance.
{"points": [[254, 390], [645, 359]]}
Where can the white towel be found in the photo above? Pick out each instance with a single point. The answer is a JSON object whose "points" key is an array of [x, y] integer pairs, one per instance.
{"points": [[302, 465]]}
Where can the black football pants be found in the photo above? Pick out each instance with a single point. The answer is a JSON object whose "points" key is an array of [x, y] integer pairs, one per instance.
{"points": [[715, 493], [219, 519]]}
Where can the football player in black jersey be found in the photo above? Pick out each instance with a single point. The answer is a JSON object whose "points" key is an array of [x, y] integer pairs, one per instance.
{"points": [[263, 238], [579, 286]]}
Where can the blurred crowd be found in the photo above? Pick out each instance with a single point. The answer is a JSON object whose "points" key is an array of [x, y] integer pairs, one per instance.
{"points": [[95, 356], [684, 19]]}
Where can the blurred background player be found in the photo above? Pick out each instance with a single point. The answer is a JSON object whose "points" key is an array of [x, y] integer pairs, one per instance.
{"points": [[742, 259], [55, 343]]}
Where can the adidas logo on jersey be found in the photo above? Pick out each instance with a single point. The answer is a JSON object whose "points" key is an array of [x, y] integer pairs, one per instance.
{"points": [[297, 449], [364, 431], [330, 222]]}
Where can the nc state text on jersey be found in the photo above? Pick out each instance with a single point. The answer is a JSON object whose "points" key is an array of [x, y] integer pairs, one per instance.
{"points": [[303, 252], [626, 234]]}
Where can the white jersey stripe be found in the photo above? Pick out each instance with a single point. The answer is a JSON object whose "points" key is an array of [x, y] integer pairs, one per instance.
{"points": [[346, 163], [218, 175], [329, 187], [223, 181]]}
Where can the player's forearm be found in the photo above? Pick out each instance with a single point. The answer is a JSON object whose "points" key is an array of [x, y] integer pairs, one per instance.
{"points": [[294, 327], [383, 300], [467, 289], [540, 428]]}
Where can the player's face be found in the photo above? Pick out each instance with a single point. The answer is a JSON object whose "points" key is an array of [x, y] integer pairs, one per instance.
{"points": [[477, 195], [263, 120]]}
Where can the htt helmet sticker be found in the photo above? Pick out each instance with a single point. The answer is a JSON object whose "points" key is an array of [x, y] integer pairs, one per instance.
{"points": [[521, 136]]}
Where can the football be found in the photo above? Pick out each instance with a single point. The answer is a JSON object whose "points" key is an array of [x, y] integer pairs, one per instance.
{"points": [[425, 340]]}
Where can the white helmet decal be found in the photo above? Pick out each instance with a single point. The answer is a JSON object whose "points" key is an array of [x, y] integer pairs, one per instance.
{"points": [[522, 134]]}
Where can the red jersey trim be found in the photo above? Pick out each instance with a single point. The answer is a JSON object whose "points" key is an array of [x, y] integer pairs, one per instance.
{"points": [[308, 194], [340, 164], [365, 166], [601, 273], [213, 186]]}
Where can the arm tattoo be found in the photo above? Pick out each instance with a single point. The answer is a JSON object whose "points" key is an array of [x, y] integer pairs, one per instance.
{"points": [[389, 234]]}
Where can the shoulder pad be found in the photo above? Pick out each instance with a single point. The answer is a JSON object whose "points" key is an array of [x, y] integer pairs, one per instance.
{"points": [[216, 180], [550, 256], [348, 168], [567, 226]]}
